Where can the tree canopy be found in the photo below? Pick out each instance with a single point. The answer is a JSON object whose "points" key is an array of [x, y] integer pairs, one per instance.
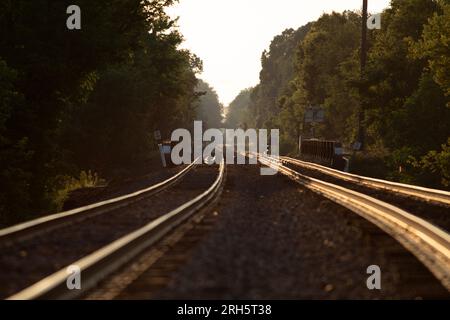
{"points": [[237, 112], [405, 89], [78, 100], [209, 108]]}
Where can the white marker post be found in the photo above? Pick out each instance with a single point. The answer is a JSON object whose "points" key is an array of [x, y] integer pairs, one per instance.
{"points": [[157, 136]]}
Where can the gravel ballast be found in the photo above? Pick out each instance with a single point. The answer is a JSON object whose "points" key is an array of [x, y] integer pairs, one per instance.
{"points": [[24, 263], [438, 215], [273, 239]]}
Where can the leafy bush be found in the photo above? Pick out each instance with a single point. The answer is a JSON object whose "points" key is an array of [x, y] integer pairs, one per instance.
{"points": [[436, 163], [65, 185]]}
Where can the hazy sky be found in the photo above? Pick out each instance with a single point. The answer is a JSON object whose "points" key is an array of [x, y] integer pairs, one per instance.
{"points": [[230, 35]]}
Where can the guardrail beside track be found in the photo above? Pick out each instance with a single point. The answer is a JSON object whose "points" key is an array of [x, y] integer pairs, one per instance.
{"points": [[28, 229], [428, 243], [429, 195], [98, 265]]}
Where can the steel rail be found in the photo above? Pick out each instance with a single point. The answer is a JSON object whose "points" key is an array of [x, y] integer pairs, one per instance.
{"points": [[47, 223], [101, 263], [429, 195], [431, 245]]}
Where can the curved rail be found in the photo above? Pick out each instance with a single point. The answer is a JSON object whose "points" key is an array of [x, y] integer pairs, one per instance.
{"points": [[429, 195], [428, 243], [47, 223], [101, 263]]}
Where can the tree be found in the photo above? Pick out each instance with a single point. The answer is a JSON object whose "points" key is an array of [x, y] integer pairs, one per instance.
{"points": [[436, 164], [408, 113], [209, 109], [405, 87], [89, 99], [325, 66], [435, 46], [237, 111], [276, 73], [14, 151]]}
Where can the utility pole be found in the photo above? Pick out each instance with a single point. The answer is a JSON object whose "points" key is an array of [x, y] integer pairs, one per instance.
{"points": [[361, 114]]}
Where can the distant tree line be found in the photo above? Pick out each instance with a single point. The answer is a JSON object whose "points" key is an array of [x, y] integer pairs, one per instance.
{"points": [[209, 107], [405, 90], [89, 99], [237, 111]]}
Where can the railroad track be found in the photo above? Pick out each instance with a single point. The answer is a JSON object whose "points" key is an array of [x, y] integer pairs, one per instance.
{"points": [[48, 223], [428, 204], [430, 244], [435, 196], [107, 259]]}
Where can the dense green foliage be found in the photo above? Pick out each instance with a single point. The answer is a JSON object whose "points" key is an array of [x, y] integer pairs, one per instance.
{"points": [[209, 109], [326, 63], [277, 71], [405, 89], [78, 100], [237, 111]]}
